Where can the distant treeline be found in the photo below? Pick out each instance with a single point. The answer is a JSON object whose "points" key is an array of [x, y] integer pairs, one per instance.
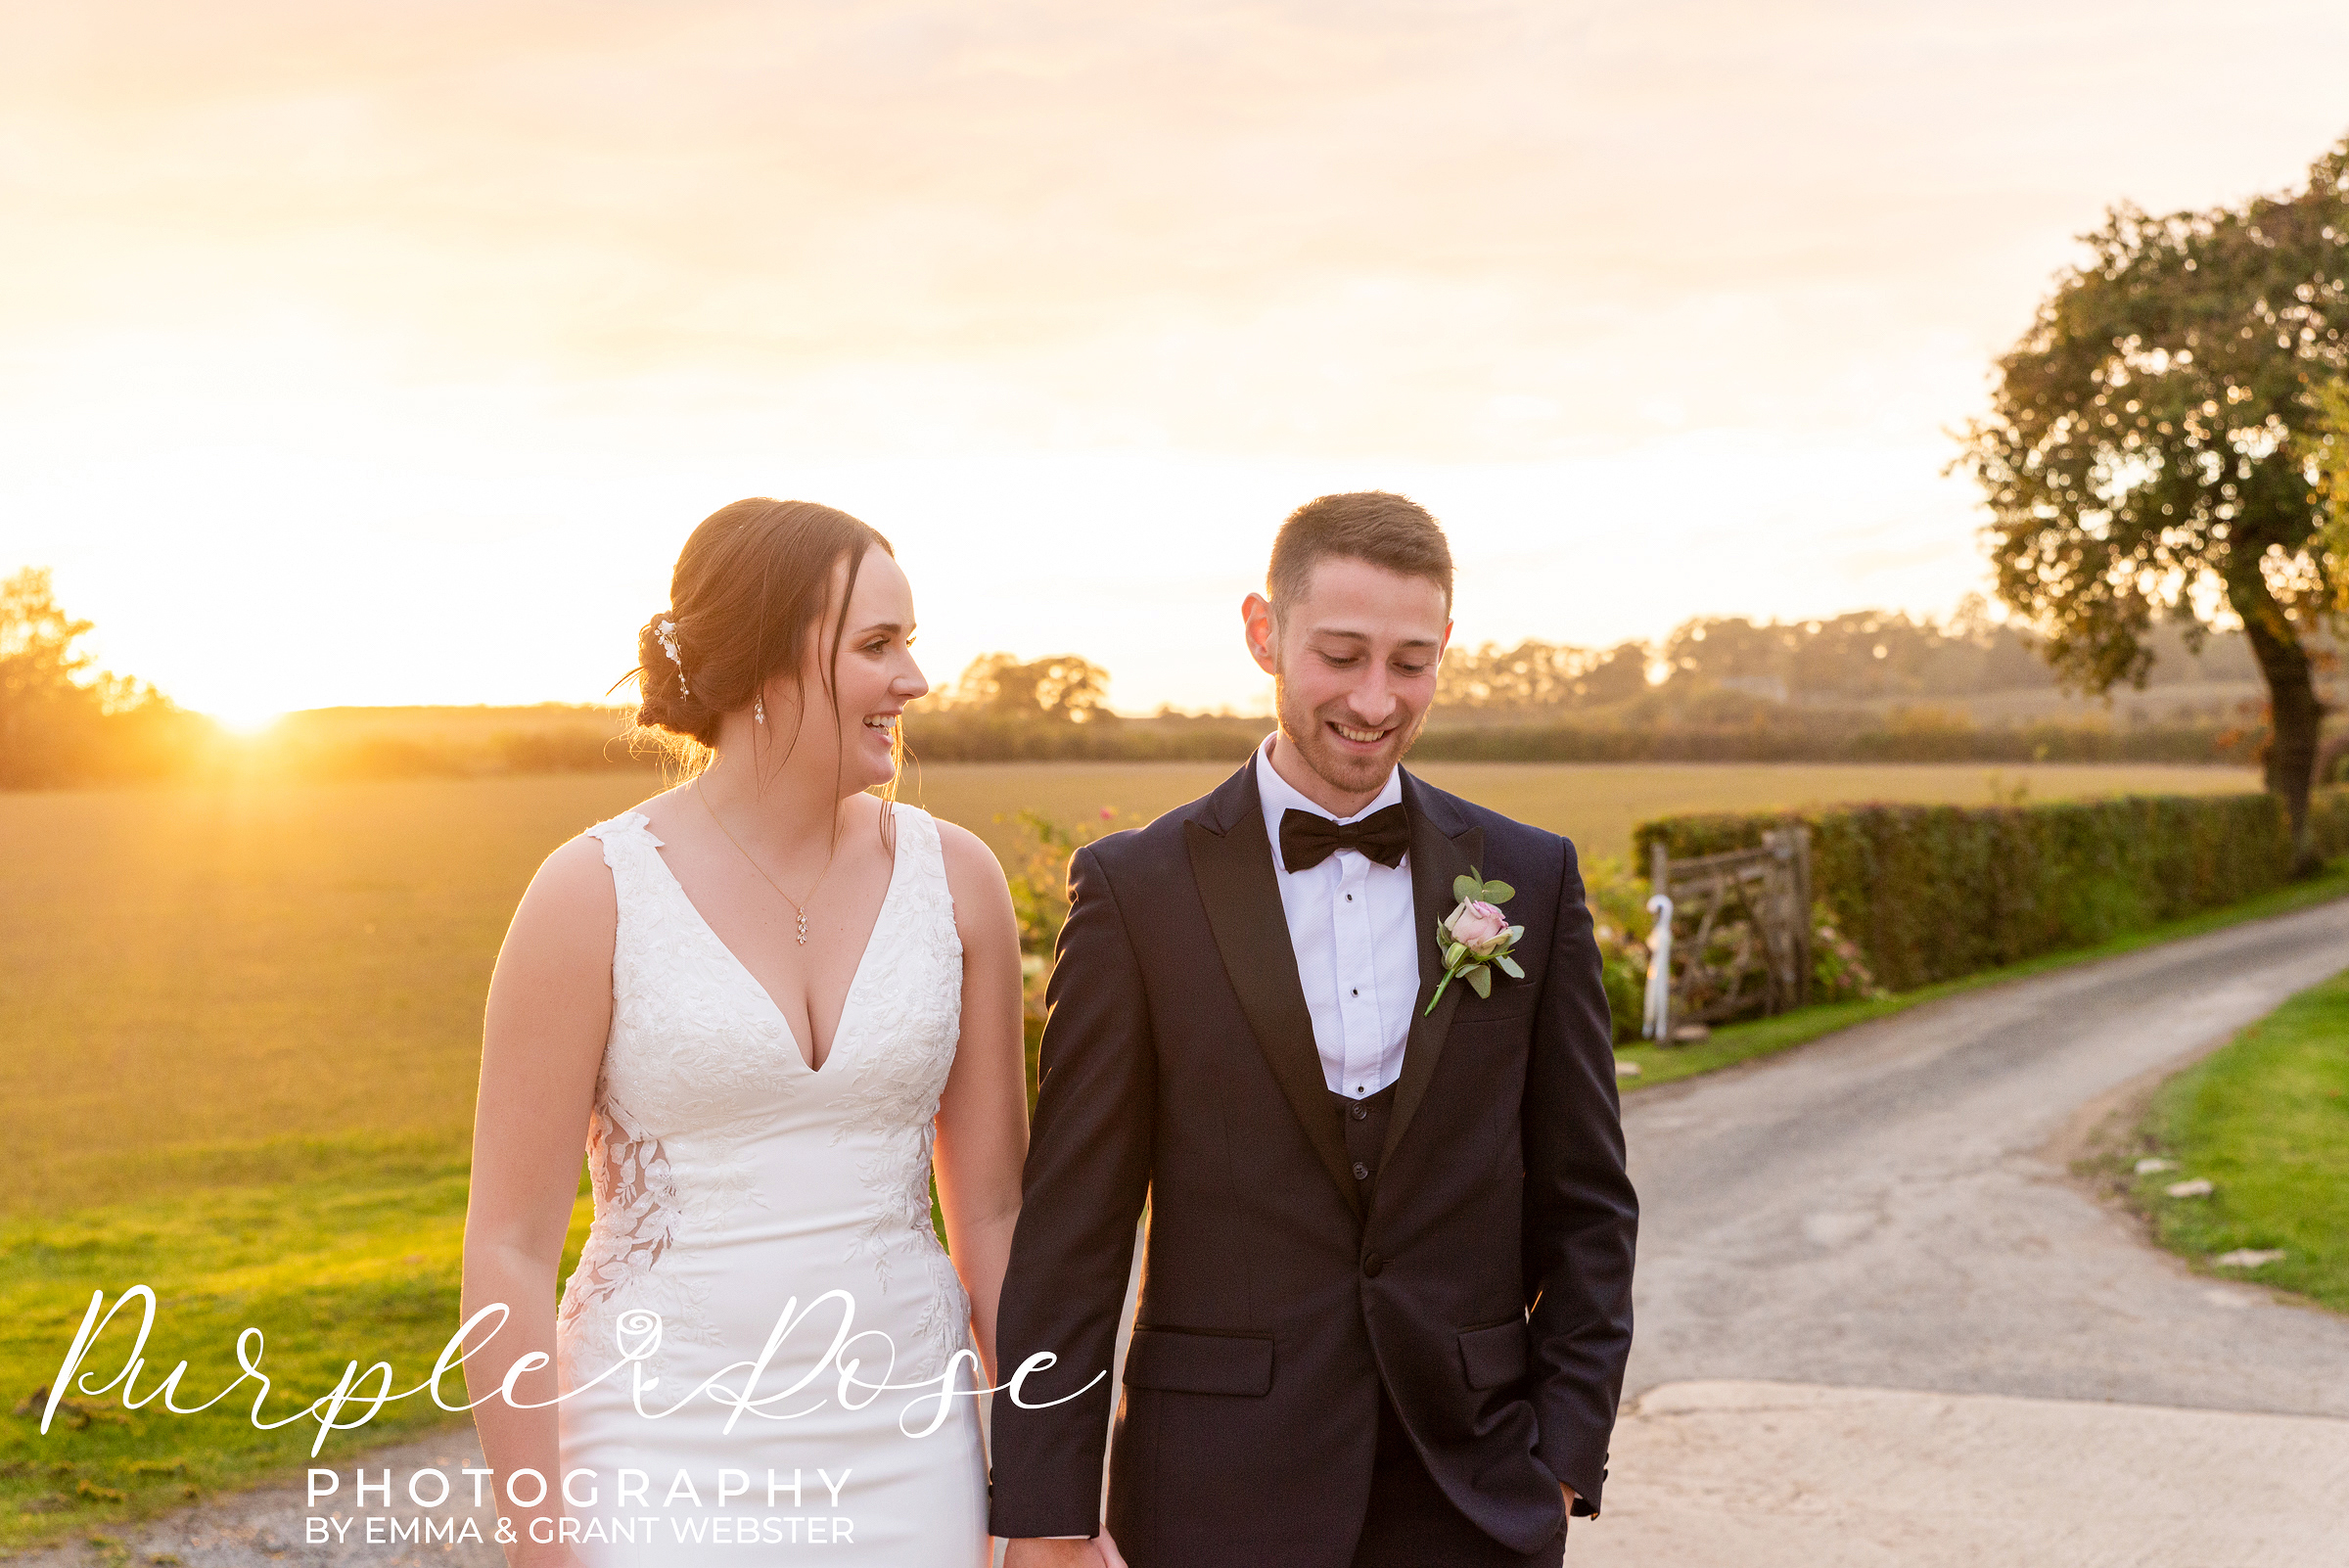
{"points": [[330, 742], [1842, 735], [1868, 687], [1869, 657]]}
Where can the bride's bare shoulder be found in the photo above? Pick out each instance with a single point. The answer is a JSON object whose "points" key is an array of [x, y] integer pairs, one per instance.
{"points": [[576, 867], [965, 853], [552, 986], [983, 910], [571, 906]]}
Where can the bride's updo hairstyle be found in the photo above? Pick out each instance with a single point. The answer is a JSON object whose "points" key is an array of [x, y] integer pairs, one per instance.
{"points": [[748, 592]]}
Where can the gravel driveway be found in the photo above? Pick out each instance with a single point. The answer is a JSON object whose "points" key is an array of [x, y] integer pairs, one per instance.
{"points": [[1890, 1207], [1834, 1242]]}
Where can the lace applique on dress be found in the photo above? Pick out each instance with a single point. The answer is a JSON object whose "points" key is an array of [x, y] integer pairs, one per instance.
{"points": [[636, 1217], [636, 1193]]}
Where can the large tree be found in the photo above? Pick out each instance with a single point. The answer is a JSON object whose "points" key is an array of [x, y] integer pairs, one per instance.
{"points": [[1060, 688], [62, 720], [48, 704], [1536, 677], [2150, 448]]}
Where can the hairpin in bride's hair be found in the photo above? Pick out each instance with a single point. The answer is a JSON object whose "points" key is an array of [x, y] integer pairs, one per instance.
{"points": [[667, 630]]}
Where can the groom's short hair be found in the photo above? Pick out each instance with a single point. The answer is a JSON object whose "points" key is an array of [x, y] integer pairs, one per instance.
{"points": [[1387, 530]]}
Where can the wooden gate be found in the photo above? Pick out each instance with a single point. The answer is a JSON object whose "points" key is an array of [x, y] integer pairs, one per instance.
{"points": [[1740, 937]]}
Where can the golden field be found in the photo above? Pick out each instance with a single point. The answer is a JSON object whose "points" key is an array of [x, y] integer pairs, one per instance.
{"points": [[185, 968]]}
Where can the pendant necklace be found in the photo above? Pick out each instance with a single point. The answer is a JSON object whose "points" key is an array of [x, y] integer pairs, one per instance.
{"points": [[798, 906]]}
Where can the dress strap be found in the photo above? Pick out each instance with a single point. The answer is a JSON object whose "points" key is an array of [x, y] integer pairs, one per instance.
{"points": [[638, 875], [916, 826], [628, 824], [928, 900]]}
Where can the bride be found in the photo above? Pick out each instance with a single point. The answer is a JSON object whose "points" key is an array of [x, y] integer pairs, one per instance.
{"points": [[757, 1001]]}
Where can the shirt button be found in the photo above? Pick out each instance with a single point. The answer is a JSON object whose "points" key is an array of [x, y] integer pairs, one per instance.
{"points": [[1357, 991], [1362, 1171]]}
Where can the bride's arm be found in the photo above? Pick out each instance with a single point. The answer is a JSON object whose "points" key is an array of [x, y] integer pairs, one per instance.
{"points": [[542, 1038], [983, 1113]]}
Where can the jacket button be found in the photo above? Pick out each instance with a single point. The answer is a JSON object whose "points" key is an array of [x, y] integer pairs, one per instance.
{"points": [[1362, 1113], [1362, 1171], [1372, 1264]]}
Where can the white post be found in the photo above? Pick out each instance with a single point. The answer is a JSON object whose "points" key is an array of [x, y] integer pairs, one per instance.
{"points": [[1656, 1024]]}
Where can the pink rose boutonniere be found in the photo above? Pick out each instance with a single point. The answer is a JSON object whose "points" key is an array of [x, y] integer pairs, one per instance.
{"points": [[1476, 937]]}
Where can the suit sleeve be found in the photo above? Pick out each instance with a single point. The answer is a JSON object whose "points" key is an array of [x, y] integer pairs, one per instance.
{"points": [[1582, 1218], [1087, 1174]]}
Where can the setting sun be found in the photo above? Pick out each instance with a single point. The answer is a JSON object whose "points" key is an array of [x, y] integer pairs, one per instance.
{"points": [[247, 724]]}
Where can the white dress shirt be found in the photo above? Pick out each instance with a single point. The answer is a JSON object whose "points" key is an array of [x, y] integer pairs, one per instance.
{"points": [[1351, 928]]}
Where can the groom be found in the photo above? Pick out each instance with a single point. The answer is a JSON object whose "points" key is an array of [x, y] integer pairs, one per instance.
{"points": [[1388, 1295]]}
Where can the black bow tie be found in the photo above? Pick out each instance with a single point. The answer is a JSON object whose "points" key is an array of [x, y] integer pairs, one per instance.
{"points": [[1308, 838]]}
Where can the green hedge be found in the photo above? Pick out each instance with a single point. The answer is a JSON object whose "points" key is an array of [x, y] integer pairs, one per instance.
{"points": [[1931, 893]]}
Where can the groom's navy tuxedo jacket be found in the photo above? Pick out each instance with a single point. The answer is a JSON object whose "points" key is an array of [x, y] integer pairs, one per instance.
{"points": [[1486, 1279]]}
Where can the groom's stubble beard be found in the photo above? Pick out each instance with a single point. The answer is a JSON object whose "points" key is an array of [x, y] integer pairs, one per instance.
{"points": [[1351, 773]]}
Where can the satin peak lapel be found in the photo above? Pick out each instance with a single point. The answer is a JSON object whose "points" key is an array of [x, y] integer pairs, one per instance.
{"points": [[1242, 895], [1437, 858]]}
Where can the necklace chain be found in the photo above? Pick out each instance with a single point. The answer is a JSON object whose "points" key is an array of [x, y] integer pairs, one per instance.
{"points": [[798, 905]]}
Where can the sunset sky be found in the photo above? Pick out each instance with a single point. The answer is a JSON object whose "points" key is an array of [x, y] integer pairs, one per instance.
{"points": [[369, 353]]}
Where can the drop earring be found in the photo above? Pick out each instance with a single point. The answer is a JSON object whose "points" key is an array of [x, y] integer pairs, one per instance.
{"points": [[758, 709]]}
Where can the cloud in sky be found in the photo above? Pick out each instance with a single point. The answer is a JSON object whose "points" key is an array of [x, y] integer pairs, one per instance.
{"points": [[433, 328]]}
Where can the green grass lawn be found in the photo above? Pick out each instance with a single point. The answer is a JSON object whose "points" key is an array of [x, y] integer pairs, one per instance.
{"points": [[339, 1251], [2266, 1122]]}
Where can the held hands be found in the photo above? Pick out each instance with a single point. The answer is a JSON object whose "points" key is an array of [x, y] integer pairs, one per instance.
{"points": [[1044, 1552]]}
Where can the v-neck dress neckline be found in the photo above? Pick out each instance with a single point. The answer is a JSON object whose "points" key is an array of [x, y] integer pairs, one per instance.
{"points": [[839, 1029]]}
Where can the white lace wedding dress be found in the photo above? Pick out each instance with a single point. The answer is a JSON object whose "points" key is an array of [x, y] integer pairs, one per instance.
{"points": [[732, 1180]]}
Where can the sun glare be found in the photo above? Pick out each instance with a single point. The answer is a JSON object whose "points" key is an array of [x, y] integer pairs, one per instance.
{"points": [[246, 723]]}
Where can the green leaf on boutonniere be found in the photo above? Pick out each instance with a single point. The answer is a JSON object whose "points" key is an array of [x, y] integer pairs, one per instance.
{"points": [[1467, 889]]}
